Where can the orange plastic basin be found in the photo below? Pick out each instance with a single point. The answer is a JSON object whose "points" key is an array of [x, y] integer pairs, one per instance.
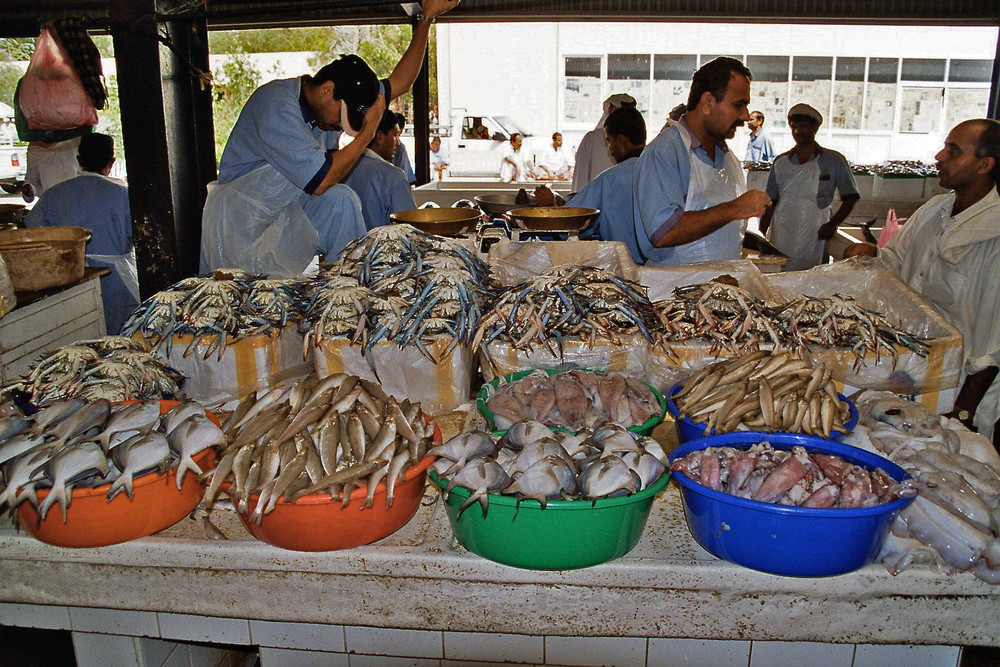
{"points": [[91, 521]]}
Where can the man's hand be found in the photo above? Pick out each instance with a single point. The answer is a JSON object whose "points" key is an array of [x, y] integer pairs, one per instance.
{"points": [[827, 231], [544, 196], [434, 8], [860, 250], [372, 118], [751, 204]]}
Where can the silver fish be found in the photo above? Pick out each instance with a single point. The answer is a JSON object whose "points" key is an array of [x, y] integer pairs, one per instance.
{"points": [[199, 434], [464, 447], [606, 477], [179, 413], [524, 433], [11, 426], [57, 412], [89, 416], [140, 417], [20, 444], [548, 478], [66, 468], [482, 476], [17, 474], [138, 455]]}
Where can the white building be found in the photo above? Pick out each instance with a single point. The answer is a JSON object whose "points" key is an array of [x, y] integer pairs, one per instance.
{"points": [[886, 92]]}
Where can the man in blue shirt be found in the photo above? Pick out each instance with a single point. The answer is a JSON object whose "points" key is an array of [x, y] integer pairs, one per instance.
{"points": [[611, 191], [759, 148], [99, 203], [691, 202], [401, 158], [801, 184], [279, 198], [380, 185]]}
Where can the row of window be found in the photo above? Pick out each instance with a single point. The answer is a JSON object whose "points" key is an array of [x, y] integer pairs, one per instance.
{"points": [[669, 67]]}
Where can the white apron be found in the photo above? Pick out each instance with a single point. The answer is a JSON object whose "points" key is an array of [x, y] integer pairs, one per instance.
{"points": [[709, 187], [120, 290], [257, 224], [795, 226]]}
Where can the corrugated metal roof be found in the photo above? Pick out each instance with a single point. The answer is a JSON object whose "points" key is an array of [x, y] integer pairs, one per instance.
{"points": [[22, 17]]}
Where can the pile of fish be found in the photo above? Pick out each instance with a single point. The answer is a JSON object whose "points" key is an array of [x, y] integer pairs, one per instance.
{"points": [[403, 285], [317, 436], [79, 443], [567, 301], [226, 304], [574, 400], [531, 461], [114, 367], [731, 318], [795, 477], [954, 522], [839, 321], [726, 315], [763, 391]]}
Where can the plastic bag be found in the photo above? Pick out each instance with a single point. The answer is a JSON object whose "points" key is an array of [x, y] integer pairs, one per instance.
{"points": [[45, 136], [52, 96], [892, 226]]}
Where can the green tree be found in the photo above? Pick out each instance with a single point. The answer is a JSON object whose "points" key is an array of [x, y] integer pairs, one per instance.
{"points": [[233, 85]]}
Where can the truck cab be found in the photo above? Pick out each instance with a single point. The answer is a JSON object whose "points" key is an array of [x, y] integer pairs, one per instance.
{"points": [[475, 142], [13, 159]]}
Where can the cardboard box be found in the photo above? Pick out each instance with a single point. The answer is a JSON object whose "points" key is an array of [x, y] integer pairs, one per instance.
{"points": [[248, 365], [405, 372], [881, 290], [895, 187]]}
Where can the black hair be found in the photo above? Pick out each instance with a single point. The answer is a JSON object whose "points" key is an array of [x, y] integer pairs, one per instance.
{"points": [[758, 115], [714, 78], [388, 122], [627, 121], [556, 134], [988, 145], [401, 121], [516, 134], [96, 151]]}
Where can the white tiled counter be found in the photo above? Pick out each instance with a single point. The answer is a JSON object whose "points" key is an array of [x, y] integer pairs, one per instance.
{"points": [[416, 595]]}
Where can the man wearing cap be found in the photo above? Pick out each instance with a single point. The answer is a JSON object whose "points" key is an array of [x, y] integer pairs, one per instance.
{"points": [[278, 200], [802, 183], [690, 198], [592, 155], [381, 185]]}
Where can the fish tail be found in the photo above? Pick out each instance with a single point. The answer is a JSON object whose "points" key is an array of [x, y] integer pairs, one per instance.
{"points": [[186, 463], [468, 503], [49, 501]]}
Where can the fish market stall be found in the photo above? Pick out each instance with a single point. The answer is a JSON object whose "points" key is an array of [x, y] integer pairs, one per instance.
{"points": [[353, 510]]}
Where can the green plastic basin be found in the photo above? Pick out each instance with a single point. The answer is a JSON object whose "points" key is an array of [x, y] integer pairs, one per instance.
{"points": [[488, 389], [566, 535]]}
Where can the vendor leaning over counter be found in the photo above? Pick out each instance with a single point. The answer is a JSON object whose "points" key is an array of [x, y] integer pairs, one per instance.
{"points": [[381, 185], [611, 191], [691, 201], [278, 200], [949, 251]]}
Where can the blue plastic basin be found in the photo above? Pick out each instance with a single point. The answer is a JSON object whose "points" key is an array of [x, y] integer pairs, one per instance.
{"points": [[791, 541], [688, 429]]}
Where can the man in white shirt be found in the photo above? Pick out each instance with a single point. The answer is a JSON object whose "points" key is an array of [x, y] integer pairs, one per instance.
{"points": [[949, 251]]}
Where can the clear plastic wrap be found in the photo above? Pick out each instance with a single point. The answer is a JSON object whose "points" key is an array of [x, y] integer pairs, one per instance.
{"points": [[513, 262], [405, 372], [879, 289]]}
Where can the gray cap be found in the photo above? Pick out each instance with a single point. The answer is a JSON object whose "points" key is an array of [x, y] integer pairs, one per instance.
{"points": [[803, 109]]}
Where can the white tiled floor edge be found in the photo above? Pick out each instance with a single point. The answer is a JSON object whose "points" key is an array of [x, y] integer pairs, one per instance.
{"points": [[292, 644]]}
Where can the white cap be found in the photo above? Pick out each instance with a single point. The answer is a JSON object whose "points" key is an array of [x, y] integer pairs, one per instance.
{"points": [[617, 100], [802, 109]]}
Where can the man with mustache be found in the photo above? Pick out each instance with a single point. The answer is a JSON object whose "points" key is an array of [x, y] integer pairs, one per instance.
{"points": [[691, 201], [949, 252]]}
